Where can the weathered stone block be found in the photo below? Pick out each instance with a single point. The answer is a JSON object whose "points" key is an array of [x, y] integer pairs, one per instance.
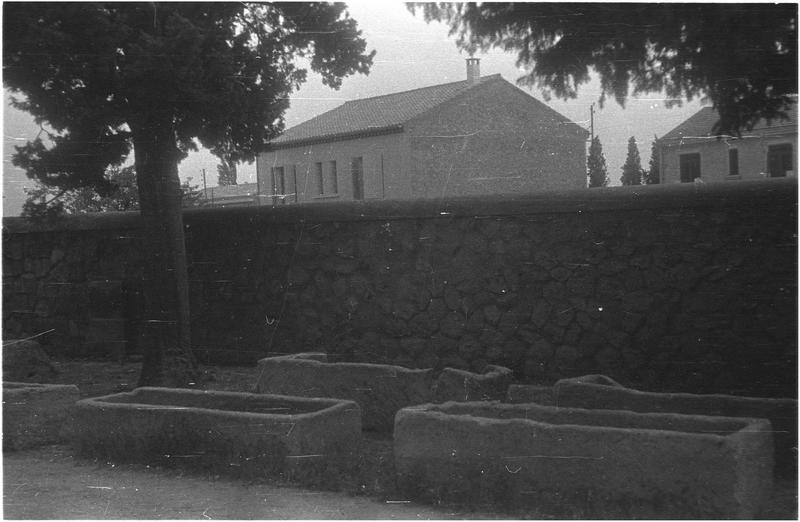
{"points": [[492, 314], [56, 256], [608, 358], [340, 265], [495, 352], [553, 332], [598, 463], [297, 276], [544, 259], [26, 361], [41, 267], [572, 334], [413, 346], [469, 347], [105, 298], [13, 250], [475, 323], [452, 325], [541, 350], [601, 392], [34, 414], [564, 316], [404, 310], [553, 292], [560, 273], [452, 298], [566, 357], [13, 267], [541, 310], [618, 339]]}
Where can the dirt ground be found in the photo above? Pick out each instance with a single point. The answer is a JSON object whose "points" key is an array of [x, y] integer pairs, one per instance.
{"points": [[95, 378], [48, 483], [51, 483]]}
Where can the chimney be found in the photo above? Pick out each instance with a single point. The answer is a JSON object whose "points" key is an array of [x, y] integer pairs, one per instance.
{"points": [[473, 70]]}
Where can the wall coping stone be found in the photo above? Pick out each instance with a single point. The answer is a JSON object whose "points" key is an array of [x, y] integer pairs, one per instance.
{"points": [[767, 192]]}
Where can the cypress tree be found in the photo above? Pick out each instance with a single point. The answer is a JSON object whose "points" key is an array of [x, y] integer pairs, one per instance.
{"points": [[632, 169], [596, 164], [653, 176]]}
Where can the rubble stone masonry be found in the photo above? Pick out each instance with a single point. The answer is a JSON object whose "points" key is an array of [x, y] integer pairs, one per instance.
{"points": [[663, 288]]}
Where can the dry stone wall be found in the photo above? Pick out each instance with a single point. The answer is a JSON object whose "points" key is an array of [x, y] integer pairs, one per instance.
{"points": [[664, 288], [76, 283]]}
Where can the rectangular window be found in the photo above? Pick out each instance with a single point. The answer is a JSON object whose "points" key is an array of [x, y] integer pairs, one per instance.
{"points": [[293, 180], [357, 171], [278, 181], [334, 182], [320, 179], [733, 162], [779, 160], [690, 167]]}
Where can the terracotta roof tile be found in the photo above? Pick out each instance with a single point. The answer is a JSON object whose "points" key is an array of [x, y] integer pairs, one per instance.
{"points": [[700, 125], [376, 113]]}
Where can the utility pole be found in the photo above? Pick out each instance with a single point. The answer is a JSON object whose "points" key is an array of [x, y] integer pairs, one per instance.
{"points": [[591, 119], [205, 189]]}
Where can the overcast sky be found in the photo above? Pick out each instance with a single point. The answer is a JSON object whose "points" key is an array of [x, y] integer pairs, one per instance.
{"points": [[410, 54]]}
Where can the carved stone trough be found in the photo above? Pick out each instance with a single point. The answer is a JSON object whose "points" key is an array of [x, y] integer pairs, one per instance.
{"points": [[599, 391], [584, 463], [34, 414], [379, 389], [242, 434]]}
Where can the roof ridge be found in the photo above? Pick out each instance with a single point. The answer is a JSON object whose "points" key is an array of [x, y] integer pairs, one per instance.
{"points": [[482, 78]]}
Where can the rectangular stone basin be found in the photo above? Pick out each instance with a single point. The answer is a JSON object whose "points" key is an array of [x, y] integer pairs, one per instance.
{"points": [[379, 389], [34, 414], [576, 463], [242, 434], [599, 391]]}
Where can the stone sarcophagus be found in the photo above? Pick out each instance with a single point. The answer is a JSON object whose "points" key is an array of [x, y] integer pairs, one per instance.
{"points": [[577, 463], [379, 389], [243, 434], [599, 391]]}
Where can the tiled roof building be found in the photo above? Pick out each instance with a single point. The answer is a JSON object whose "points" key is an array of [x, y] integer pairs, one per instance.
{"points": [[477, 136], [691, 151], [700, 125]]}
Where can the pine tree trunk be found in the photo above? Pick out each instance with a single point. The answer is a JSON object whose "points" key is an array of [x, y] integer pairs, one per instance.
{"points": [[165, 330]]}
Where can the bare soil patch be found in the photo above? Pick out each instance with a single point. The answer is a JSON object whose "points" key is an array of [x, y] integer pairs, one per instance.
{"points": [[49, 483]]}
